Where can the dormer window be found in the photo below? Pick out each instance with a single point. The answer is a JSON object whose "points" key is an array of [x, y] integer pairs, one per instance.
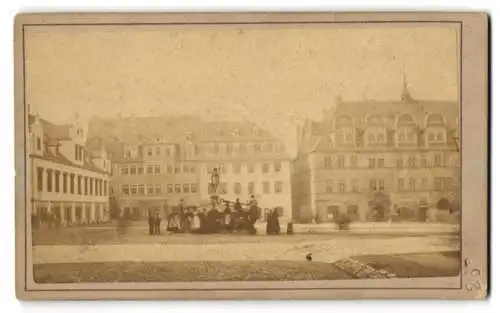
{"points": [[435, 129], [406, 130], [376, 133], [345, 129]]}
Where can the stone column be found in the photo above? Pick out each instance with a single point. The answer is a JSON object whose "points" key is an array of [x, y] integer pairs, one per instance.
{"points": [[73, 213], [92, 212]]}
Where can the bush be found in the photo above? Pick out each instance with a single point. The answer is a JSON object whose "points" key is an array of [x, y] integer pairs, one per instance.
{"points": [[343, 221]]}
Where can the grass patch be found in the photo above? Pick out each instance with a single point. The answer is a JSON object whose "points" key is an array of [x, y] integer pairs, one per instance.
{"points": [[186, 271]]}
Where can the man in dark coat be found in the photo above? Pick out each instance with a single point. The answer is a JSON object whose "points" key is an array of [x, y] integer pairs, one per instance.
{"points": [[157, 223], [151, 222]]}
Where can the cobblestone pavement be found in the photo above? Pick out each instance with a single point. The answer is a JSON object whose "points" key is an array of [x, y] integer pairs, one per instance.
{"points": [[324, 250]]}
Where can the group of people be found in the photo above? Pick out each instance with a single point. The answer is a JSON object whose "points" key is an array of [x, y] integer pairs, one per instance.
{"points": [[154, 221]]}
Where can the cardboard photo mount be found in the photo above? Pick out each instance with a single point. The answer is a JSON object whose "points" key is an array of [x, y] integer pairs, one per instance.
{"points": [[474, 101]]}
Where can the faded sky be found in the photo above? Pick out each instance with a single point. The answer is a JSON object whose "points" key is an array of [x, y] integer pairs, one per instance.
{"points": [[264, 72]]}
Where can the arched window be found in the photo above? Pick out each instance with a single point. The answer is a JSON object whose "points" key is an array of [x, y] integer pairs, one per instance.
{"points": [[344, 125], [435, 119], [435, 129], [344, 121], [376, 134], [406, 130]]}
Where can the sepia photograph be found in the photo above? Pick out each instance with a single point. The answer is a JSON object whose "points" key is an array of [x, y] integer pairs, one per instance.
{"points": [[233, 151]]}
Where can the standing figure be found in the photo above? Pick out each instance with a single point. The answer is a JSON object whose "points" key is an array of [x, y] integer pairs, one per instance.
{"points": [[157, 223], [214, 181], [151, 222]]}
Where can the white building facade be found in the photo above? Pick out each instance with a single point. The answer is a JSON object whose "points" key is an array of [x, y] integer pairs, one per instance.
{"points": [[68, 184]]}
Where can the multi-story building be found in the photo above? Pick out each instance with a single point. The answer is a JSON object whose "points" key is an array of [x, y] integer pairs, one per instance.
{"points": [[68, 181], [406, 150], [249, 160], [171, 162]]}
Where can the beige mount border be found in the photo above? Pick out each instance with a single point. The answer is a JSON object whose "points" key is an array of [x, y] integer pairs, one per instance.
{"points": [[474, 112]]}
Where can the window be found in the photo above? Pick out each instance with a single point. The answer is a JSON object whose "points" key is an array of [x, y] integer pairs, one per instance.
{"points": [[151, 189], [278, 187], [157, 169], [124, 170], [229, 148], [243, 148], [411, 161], [79, 188], [38, 143], [133, 169], [341, 186], [105, 188], [328, 162], [65, 182], [354, 161], [445, 159], [373, 184], [411, 183], [169, 169], [96, 185], [72, 183], [194, 188], [177, 170], [236, 168], [49, 180], [265, 187], [401, 184], [354, 185], [167, 151], [329, 186], [371, 137], [250, 168], [371, 163], [185, 188], [340, 161], [257, 147], [133, 189], [381, 185], [192, 169], [85, 185], [125, 190], [177, 188], [381, 163], [170, 188], [158, 189], [150, 151], [39, 177], [150, 169], [185, 169], [265, 168], [251, 188], [76, 152], [237, 188], [140, 170], [437, 160], [399, 163], [158, 152], [423, 161]]}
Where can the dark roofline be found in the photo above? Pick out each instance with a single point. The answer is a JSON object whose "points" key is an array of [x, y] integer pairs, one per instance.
{"points": [[60, 159]]}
